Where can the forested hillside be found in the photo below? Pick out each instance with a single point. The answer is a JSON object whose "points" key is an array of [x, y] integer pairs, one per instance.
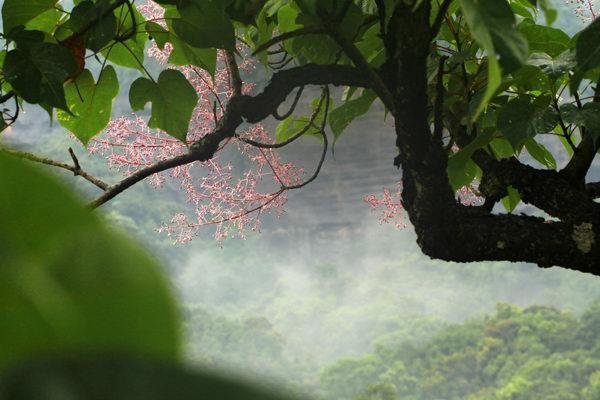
{"points": [[531, 353]]}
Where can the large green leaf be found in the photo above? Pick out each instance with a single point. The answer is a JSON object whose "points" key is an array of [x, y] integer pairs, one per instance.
{"points": [[46, 21], [587, 52], [19, 12], [520, 120], [588, 116], [492, 25], [68, 284], [104, 24], [342, 116], [129, 53], [204, 24], [512, 200], [173, 100], [38, 73], [90, 103], [544, 39], [540, 153], [461, 169], [183, 53], [245, 11], [121, 378], [553, 67]]}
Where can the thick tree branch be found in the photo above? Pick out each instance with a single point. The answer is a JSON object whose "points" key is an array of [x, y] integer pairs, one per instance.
{"points": [[474, 236], [545, 189], [438, 111], [593, 189], [75, 168], [584, 154], [234, 73]]}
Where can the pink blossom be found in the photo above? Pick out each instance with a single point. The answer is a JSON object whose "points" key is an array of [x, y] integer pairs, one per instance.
{"points": [[585, 9], [389, 203]]}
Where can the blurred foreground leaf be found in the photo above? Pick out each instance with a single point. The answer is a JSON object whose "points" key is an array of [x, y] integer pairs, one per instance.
{"points": [[70, 285], [120, 379]]}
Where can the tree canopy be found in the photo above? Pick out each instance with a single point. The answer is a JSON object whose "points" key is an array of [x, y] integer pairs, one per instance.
{"points": [[487, 99]]}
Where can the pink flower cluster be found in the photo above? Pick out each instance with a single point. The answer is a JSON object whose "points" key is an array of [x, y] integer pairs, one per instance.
{"points": [[390, 205], [231, 190], [585, 9]]}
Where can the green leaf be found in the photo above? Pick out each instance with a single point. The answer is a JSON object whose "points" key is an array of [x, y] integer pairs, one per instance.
{"points": [[90, 102], [70, 285], [19, 12], [540, 153], [38, 75], [553, 67], [286, 129], [511, 201], [587, 52], [121, 378], [544, 39], [173, 100], [520, 120], [129, 53], [492, 25], [204, 24], [549, 11], [104, 26], [343, 115], [245, 11], [183, 53], [588, 116], [461, 169], [530, 78], [46, 21]]}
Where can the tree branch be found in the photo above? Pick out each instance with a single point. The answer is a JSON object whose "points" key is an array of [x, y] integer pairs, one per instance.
{"points": [[584, 154], [439, 101], [437, 24], [545, 189], [593, 189], [75, 168], [234, 73], [474, 236], [325, 97]]}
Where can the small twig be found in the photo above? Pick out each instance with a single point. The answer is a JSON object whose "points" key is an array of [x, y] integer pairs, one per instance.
{"points": [[75, 161], [308, 125], [292, 108], [128, 35], [140, 175], [325, 145], [75, 168], [437, 24], [234, 74]]}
